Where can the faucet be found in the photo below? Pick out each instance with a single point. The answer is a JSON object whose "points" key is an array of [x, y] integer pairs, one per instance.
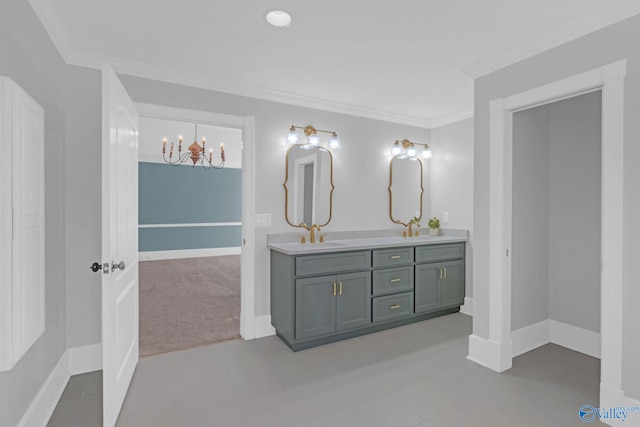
{"points": [[312, 235], [413, 221]]}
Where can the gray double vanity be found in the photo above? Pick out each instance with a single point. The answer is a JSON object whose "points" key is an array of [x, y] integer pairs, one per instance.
{"points": [[355, 283]]}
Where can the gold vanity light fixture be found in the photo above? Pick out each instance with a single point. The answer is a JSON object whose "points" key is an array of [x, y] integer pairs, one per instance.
{"points": [[313, 139], [195, 153], [408, 148]]}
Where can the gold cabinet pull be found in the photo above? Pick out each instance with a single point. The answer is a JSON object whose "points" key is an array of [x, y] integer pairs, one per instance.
{"points": [[395, 257], [394, 280], [445, 273], [334, 289], [340, 283], [440, 272], [393, 307]]}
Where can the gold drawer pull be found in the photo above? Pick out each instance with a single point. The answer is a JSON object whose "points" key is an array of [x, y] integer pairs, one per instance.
{"points": [[334, 289], [395, 257], [394, 280], [393, 307], [340, 284], [441, 273]]}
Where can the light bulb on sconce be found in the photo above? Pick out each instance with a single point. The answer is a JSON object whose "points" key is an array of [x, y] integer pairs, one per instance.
{"points": [[408, 148], [313, 139], [292, 136]]}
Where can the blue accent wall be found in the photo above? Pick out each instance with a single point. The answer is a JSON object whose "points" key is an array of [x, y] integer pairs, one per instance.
{"points": [[183, 195]]}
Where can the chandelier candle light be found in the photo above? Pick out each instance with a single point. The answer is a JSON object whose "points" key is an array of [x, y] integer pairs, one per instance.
{"points": [[195, 152]]}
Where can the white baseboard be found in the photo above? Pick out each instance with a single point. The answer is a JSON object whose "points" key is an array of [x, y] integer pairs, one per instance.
{"points": [[467, 308], [263, 326], [76, 360], [613, 398], [478, 351], [578, 339], [551, 331], [41, 408], [187, 253], [83, 359], [530, 337]]}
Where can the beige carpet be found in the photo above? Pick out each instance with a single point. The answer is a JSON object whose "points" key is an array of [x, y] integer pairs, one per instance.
{"points": [[186, 303]]}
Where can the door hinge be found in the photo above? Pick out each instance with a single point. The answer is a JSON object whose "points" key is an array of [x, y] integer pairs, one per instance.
{"points": [[507, 253]]}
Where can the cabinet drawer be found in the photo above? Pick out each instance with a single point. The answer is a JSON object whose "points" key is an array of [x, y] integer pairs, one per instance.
{"points": [[390, 280], [332, 263], [428, 253], [391, 257], [392, 307]]}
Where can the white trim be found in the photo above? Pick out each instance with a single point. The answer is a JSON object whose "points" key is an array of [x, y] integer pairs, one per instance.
{"points": [[87, 358], [264, 327], [187, 253], [452, 118], [575, 338], [548, 331], [467, 308], [598, 19], [478, 350], [248, 274], [43, 405], [198, 224], [190, 116], [614, 397], [529, 338], [611, 79]]}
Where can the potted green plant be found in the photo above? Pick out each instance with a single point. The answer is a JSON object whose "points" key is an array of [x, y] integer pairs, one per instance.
{"points": [[434, 226]]}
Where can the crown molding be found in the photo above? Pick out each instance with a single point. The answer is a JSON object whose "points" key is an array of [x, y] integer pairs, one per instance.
{"points": [[577, 28], [54, 26], [452, 118]]}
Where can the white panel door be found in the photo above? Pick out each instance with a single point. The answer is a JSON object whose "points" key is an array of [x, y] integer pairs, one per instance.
{"points": [[27, 129], [119, 243]]}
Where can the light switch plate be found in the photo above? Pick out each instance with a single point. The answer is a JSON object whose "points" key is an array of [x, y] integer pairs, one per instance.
{"points": [[263, 220], [445, 216]]}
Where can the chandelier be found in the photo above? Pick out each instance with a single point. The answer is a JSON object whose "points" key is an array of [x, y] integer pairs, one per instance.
{"points": [[195, 152]]}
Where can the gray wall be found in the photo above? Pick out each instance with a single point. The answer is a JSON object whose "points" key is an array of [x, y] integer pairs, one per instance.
{"points": [[591, 51], [452, 182], [28, 57], [556, 213], [575, 129], [361, 167], [529, 252]]}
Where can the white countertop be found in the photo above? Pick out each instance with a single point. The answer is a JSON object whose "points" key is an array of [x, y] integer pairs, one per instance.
{"points": [[357, 243]]}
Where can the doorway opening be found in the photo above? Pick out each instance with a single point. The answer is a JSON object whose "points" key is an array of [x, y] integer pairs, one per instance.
{"points": [[556, 206], [190, 232], [496, 351]]}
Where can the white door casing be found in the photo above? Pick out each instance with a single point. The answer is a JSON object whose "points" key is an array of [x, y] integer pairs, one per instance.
{"points": [[251, 326], [119, 243], [495, 352]]}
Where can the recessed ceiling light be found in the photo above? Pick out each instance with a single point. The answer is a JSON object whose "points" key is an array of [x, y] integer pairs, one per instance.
{"points": [[278, 18]]}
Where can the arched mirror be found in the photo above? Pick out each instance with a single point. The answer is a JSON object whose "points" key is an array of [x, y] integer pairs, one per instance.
{"points": [[308, 186], [405, 189]]}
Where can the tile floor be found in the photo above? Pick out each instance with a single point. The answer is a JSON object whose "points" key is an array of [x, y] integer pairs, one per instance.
{"points": [[415, 375]]}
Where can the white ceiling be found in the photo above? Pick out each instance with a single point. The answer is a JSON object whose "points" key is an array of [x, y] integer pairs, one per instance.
{"points": [[408, 61]]}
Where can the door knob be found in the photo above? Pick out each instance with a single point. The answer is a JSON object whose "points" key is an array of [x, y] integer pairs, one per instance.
{"points": [[115, 266]]}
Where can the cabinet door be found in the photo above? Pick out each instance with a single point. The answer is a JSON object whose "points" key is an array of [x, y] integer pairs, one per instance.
{"points": [[452, 288], [315, 306], [354, 300], [427, 287]]}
